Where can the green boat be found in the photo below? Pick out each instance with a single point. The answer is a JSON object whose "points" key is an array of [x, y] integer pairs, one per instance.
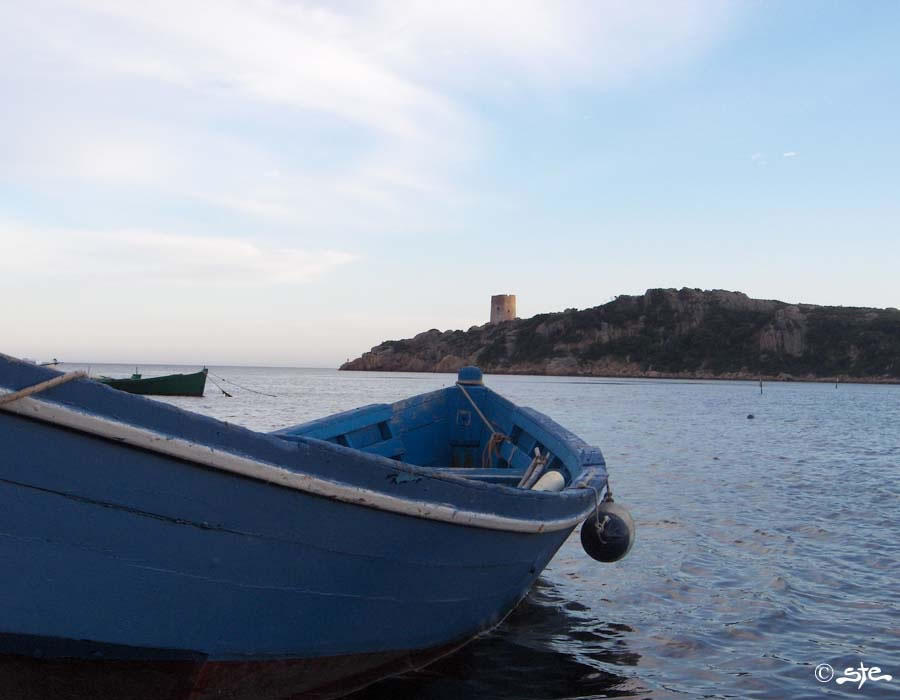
{"points": [[168, 385]]}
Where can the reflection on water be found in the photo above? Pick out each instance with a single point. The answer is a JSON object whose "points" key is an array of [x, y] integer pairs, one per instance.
{"points": [[764, 547], [547, 648]]}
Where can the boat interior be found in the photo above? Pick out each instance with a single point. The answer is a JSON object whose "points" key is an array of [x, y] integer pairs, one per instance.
{"points": [[467, 431]]}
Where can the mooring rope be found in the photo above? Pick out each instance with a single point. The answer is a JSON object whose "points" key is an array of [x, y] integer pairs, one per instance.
{"points": [[252, 391], [607, 498], [41, 386], [477, 410], [216, 384], [493, 444]]}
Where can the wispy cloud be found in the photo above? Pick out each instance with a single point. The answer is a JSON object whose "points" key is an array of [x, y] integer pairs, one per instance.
{"points": [[362, 107], [150, 258], [789, 154]]}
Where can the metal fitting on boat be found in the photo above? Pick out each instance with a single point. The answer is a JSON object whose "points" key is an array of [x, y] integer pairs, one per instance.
{"points": [[607, 535]]}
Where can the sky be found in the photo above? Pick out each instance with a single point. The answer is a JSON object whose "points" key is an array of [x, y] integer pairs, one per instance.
{"points": [[282, 182]]}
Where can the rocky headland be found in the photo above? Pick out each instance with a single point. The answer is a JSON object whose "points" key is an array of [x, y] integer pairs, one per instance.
{"points": [[686, 333]]}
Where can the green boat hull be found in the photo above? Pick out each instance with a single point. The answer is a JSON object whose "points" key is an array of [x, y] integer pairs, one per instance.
{"points": [[169, 385]]}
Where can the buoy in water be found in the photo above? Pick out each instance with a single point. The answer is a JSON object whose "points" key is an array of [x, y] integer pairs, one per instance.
{"points": [[608, 534]]}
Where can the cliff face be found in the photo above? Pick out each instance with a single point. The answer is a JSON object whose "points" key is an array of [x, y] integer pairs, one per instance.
{"points": [[666, 332]]}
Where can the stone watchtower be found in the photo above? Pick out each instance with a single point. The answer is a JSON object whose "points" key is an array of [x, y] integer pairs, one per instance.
{"points": [[503, 308]]}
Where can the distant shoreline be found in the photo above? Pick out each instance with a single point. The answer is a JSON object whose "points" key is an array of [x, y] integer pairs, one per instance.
{"points": [[667, 334], [736, 377]]}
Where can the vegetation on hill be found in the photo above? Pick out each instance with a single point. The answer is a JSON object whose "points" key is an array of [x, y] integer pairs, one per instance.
{"points": [[666, 332]]}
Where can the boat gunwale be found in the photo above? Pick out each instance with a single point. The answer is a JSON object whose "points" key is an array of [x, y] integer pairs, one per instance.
{"points": [[138, 437]]}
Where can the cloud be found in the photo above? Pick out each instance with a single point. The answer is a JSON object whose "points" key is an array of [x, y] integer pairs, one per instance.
{"points": [[365, 109], [379, 62], [550, 45], [789, 154], [152, 258]]}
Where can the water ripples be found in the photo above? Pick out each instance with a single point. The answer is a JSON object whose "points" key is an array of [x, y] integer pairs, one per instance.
{"points": [[764, 547]]}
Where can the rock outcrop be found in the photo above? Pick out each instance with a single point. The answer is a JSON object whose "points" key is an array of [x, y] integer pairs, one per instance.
{"points": [[666, 333]]}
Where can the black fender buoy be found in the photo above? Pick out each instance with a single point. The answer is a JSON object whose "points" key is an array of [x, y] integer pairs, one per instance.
{"points": [[607, 536]]}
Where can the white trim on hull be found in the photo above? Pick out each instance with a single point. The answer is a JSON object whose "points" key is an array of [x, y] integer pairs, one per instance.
{"points": [[207, 456]]}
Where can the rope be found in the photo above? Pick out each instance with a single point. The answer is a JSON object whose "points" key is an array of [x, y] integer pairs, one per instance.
{"points": [[252, 391], [607, 498], [218, 387], [477, 410], [41, 386], [493, 444]]}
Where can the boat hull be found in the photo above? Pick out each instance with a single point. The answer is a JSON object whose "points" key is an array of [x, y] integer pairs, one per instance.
{"points": [[237, 565], [81, 675], [169, 385], [133, 563]]}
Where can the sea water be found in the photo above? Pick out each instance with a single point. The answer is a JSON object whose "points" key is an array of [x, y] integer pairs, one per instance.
{"points": [[767, 546]]}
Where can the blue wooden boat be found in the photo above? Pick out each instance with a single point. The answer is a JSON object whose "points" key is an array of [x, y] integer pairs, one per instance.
{"points": [[148, 551]]}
